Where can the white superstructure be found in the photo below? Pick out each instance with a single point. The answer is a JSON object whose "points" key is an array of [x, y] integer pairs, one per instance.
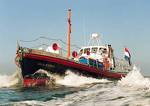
{"points": [[98, 52]]}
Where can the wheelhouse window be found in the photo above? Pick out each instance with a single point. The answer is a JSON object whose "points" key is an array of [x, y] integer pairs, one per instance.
{"points": [[100, 50], [81, 51], [86, 49], [94, 49], [103, 50]]}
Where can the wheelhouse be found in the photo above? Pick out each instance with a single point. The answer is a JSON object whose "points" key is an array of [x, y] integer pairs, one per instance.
{"points": [[94, 50]]}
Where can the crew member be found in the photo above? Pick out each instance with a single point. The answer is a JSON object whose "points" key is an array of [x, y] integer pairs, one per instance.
{"points": [[106, 64]]}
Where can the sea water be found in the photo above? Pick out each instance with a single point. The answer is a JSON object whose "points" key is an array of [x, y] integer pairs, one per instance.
{"points": [[75, 90]]}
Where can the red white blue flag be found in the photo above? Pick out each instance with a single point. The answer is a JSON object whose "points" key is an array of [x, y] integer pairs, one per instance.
{"points": [[127, 55]]}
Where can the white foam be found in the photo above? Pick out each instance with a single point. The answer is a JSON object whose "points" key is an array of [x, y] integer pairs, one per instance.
{"points": [[9, 80], [43, 71], [72, 79], [99, 94], [29, 103], [135, 79]]}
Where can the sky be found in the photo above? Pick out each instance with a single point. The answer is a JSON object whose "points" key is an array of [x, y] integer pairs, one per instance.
{"points": [[121, 23]]}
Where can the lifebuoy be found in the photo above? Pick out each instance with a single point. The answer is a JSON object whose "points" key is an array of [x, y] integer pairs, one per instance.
{"points": [[74, 54]]}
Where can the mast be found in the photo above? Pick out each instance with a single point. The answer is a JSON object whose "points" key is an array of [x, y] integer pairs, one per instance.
{"points": [[69, 32]]}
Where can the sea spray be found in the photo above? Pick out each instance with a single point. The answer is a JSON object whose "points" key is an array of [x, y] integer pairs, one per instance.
{"points": [[74, 80], [71, 79], [135, 80], [10, 80]]}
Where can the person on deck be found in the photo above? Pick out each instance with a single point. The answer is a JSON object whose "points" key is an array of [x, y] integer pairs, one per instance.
{"points": [[106, 64]]}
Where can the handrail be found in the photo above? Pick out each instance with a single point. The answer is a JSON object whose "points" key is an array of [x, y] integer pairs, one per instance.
{"points": [[50, 39]]}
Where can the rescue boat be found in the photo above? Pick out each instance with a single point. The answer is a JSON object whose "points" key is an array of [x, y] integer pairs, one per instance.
{"points": [[94, 60]]}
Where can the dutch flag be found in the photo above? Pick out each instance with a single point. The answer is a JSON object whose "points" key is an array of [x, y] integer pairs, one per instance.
{"points": [[127, 55]]}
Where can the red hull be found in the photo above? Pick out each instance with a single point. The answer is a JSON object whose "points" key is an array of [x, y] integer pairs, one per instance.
{"points": [[73, 65], [30, 82]]}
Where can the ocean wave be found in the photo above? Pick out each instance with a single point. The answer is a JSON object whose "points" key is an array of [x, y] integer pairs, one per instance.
{"points": [[10, 80], [74, 80], [135, 80]]}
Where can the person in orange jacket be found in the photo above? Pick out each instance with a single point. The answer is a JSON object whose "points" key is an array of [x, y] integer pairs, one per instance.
{"points": [[106, 64]]}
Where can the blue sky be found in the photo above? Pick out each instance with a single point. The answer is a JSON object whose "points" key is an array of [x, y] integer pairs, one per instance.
{"points": [[120, 23]]}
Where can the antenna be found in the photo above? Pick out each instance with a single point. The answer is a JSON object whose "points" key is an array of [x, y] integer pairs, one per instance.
{"points": [[94, 40]]}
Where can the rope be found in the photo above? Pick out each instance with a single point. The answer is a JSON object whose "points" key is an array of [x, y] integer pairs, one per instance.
{"points": [[50, 39]]}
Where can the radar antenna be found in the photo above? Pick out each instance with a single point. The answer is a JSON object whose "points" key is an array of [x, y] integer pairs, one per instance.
{"points": [[94, 40]]}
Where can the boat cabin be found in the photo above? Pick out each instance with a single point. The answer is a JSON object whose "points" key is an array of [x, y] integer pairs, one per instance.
{"points": [[101, 54], [94, 51]]}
